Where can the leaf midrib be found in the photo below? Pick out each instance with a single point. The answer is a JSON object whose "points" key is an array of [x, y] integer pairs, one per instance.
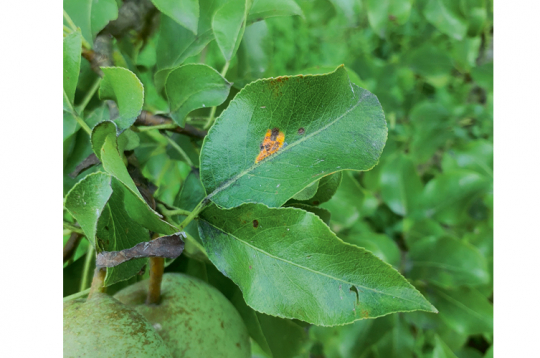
{"points": [[283, 150], [309, 269]]}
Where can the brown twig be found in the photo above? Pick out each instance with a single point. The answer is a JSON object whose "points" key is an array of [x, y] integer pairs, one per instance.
{"points": [[149, 119], [71, 245], [98, 281], [157, 267]]}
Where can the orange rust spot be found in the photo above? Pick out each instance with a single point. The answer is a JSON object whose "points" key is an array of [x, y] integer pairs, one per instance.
{"points": [[273, 141], [365, 313]]}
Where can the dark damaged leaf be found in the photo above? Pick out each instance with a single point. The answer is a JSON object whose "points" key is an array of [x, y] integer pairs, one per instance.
{"points": [[166, 246]]}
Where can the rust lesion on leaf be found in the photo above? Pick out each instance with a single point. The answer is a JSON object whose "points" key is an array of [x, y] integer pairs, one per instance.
{"points": [[273, 141], [277, 83]]}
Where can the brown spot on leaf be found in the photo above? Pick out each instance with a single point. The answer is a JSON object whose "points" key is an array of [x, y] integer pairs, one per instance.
{"points": [[301, 131], [272, 142], [316, 202], [255, 223], [238, 344]]}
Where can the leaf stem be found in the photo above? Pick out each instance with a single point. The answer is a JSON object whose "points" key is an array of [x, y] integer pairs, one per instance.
{"points": [[82, 123], [74, 28], [173, 212], [180, 150], [86, 268], [213, 110], [77, 295], [225, 68], [70, 22], [73, 228], [194, 213], [159, 126], [89, 95]]}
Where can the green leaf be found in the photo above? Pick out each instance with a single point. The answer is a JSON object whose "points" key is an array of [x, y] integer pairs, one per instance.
{"points": [[70, 125], [448, 197], [441, 350], [116, 231], [353, 340], [326, 188], [277, 337], [86, 201], [445, 16], [176, 43], [322, 70], [194, 86], [254, 54], [289, 264], [122, 86], [380, 12], [346, 204], [91, 15], [401, 187], [323, 214], [433, 62], [448, 262], [430, 125], [328, 125], [397, 342], [476, 155], [380, 245], [483, 75], [262, 9], [349, 9], [185, 12], [72, 65], [308, 192], [229, 23], [465, 310], [104, 135]]}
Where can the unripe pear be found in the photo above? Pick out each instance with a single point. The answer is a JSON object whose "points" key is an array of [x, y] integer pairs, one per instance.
{"points": [[103, 327], [194, 319]]}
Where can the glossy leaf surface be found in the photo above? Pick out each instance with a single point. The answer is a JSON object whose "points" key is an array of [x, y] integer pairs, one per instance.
{"points": [[112, 162], [445, 16], [176, 43], [91, 15], [289, 264], [464, 310], [328, 125], [229, 23], [448, 262], [72, 65], [263, 9], [401, 187], [185, 12], [86, 201], [194, 86], [116, 231], [122, 86]]}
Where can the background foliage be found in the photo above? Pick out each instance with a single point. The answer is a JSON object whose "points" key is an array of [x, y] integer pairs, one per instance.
{"points": [[426, 208]]}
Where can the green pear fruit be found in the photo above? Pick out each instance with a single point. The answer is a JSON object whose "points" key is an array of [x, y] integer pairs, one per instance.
{"points": [[193, 317], [103, 327]]}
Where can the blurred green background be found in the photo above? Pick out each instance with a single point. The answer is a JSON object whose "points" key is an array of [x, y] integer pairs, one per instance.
{"points": [[426, 208]]}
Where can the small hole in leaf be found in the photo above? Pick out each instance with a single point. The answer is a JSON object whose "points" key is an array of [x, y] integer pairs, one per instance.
{"points": [[255, 223], [355, 290]]}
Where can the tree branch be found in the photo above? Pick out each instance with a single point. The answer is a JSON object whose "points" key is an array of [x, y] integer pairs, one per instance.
{"points": [[148, 119], [71, 245]]}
